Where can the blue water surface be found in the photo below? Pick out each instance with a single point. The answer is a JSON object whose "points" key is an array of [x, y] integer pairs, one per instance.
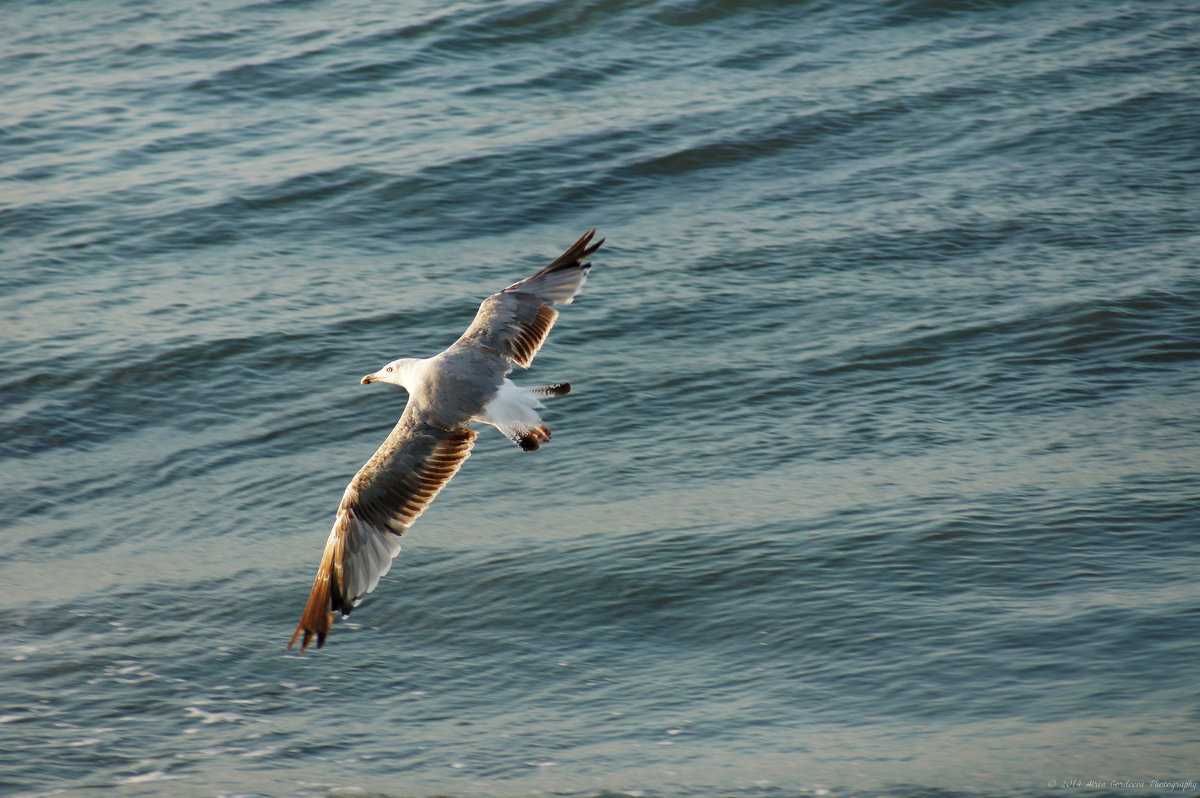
{"points": [[881, 473]]}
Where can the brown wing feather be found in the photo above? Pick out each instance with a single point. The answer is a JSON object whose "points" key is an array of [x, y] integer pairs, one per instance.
{"points": [[573, 258], [514, 323], [386, 495], [317, 618], [528, 338]]}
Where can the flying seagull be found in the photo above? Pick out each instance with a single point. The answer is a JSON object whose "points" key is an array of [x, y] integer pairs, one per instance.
{"points": [[467, 382]]}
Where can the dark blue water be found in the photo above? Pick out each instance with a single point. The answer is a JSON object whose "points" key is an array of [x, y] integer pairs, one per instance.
{"points": [[881, 475]]}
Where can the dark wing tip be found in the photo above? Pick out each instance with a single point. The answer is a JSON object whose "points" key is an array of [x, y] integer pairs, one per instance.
{"points": [[308, 636], [317, 617], [589, 249], [578, 252], [557, 389]]}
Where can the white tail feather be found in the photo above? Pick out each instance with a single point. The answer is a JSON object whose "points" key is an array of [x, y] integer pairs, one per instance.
{"points": [[514, 411]]}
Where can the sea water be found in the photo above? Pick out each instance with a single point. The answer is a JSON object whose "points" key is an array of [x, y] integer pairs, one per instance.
{"points": [[880, 475]]}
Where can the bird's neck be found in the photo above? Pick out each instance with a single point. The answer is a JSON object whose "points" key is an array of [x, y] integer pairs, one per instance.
{"points": [[409, 373]]}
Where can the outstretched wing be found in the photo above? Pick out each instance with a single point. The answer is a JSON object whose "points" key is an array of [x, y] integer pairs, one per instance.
{"points": [[515, 321], [380, 504]]}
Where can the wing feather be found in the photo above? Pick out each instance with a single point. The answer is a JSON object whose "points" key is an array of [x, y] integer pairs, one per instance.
{"points": [[514, 322], [386, 495]]}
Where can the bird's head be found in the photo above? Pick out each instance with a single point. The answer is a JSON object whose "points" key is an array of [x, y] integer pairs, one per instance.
{"points": [[398, 372]]}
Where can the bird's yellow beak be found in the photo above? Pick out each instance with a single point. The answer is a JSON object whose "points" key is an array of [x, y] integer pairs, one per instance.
{"points": [[369, 378]]}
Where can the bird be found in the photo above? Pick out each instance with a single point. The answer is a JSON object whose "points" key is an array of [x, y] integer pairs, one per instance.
{"points": [[467, 382]]}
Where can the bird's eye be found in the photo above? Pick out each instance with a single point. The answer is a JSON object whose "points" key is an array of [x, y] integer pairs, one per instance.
{"points": [[389, 368]]}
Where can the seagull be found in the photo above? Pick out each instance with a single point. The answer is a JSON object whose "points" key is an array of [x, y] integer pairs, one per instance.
{"points": [[467, 382]]}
